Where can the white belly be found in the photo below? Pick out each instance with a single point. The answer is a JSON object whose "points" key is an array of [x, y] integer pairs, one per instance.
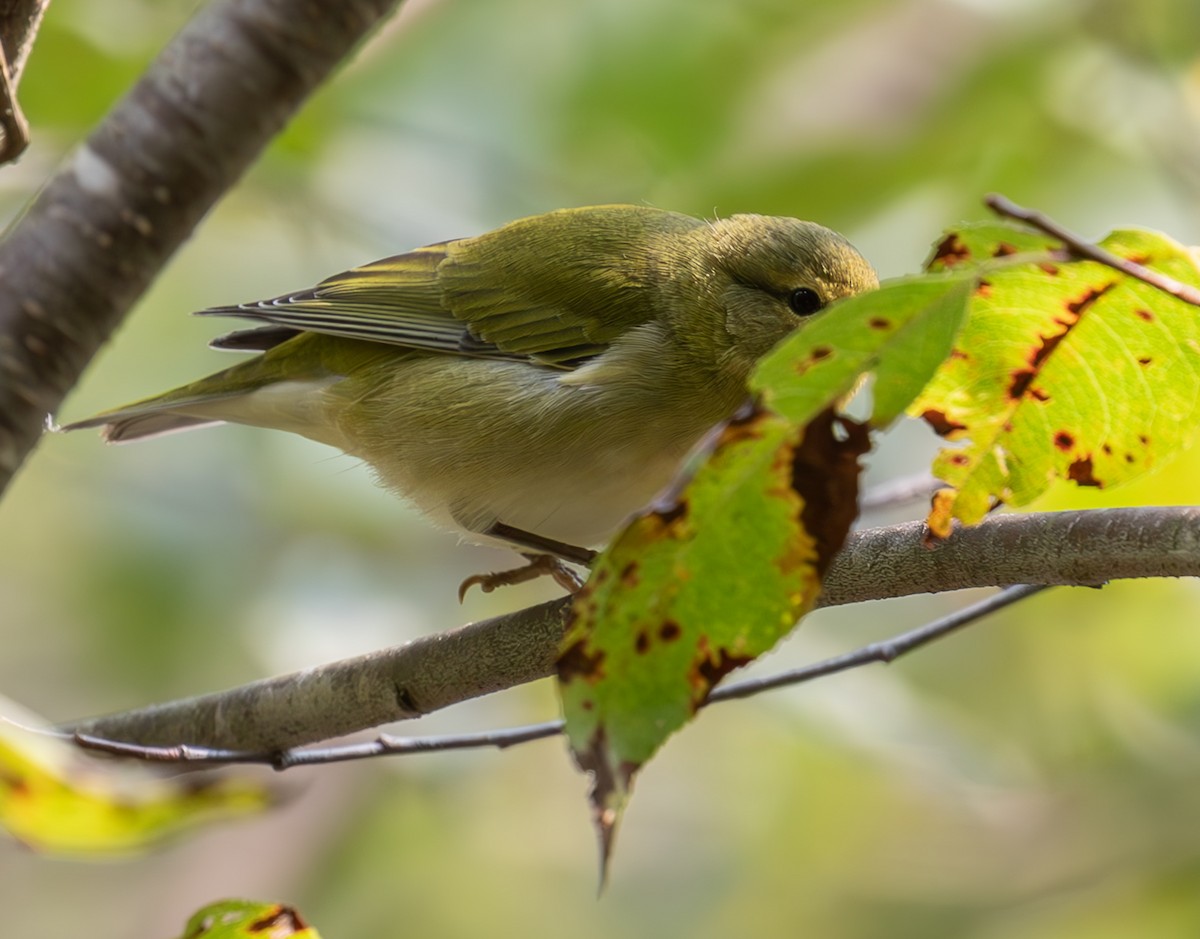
{"points": [[512, 444]]}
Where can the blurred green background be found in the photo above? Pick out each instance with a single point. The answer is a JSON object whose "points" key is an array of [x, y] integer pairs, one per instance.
{"points": [[1037, 776]]}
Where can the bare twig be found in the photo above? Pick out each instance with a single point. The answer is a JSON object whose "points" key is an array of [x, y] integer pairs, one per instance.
{"points": [[19, 22], [886, 651], [918, 487], [101, 229], [1083, 248], [383, 745], [1069, 548], [387, 745]]}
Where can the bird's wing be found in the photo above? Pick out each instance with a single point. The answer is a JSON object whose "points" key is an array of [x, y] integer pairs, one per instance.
{"points": [[556, 288]]}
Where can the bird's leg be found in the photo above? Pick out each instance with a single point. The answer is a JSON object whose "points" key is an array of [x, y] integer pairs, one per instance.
{"points": [[540, 545], [547, 557]]}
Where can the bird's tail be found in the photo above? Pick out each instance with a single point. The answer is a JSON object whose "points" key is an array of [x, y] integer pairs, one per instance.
{"points": [[277, 390], [151, 417]]}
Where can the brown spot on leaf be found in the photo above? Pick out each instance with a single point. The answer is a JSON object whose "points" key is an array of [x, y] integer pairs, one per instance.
{"points": [[815, 357], [1081, 472], [746, 424], [669, 514], [1144, 360], [641, 645], [983, 288], [283, 917], [825, 469], [1091, 295], [1129, 457], [1039, 394], [1004, 249], [607, 781], [879, 322], [959, 354], [1048, 268], [941, 424], [14, 784], [1064, 441], [1106, 449], [1143, 440], [1144, 315], [576, 661], [1142, 259], [630, 574], [669, 631], [950, 251], [1022, 378], [711, 667], [959, 459]]}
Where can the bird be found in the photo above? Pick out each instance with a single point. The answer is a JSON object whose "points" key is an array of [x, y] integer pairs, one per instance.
{"points": [[532, 386]]}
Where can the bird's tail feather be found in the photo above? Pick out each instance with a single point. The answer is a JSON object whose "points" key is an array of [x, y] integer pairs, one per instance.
{"points": [[151, 418], [280, 389]]}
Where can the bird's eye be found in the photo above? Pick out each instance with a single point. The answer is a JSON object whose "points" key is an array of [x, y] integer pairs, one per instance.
{"points": [[805, 301]]}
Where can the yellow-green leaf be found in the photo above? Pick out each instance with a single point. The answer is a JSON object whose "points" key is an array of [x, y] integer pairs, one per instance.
{"points": [[58, 799], [247, 919], [1065, 369]]}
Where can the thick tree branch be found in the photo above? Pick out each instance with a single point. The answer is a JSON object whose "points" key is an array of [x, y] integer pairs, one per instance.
{"points": [[387, 745], [104, 225], [1069, 548]]}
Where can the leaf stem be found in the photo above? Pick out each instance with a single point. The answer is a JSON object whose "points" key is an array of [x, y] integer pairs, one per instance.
{"points": [[1082, 248]]}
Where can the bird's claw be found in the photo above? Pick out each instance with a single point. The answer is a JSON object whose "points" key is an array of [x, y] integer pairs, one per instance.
{"points": [[539, 565]]}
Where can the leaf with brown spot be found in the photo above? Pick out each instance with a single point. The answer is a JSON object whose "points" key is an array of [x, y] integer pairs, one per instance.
{"points": [[950, 251], [731, 557], [942, 425], [768, 509], [247, 919], [838, 347], [59, 800], [1057, 384]]}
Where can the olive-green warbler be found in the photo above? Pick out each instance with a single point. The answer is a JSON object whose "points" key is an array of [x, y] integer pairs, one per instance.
{"points": [[538, 382]]}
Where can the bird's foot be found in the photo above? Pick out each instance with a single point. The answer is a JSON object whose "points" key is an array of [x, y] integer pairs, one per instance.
{"points": [[539, 565]]}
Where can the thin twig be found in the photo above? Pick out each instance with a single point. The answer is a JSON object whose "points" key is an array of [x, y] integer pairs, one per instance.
{"points": [[886, 651], [14, 127], [383, 745], [1086, 249], [386, 745], [19, 22], [900, 491]]}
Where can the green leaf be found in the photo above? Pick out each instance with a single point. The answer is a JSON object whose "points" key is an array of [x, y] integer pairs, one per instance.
{"points": [[246, 919], [902, 332], [724, 564], [705, 582], [61, 800], [1066, 369]]}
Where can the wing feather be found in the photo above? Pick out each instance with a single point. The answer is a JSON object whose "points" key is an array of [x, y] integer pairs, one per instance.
{"points": [[556, 288]]}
